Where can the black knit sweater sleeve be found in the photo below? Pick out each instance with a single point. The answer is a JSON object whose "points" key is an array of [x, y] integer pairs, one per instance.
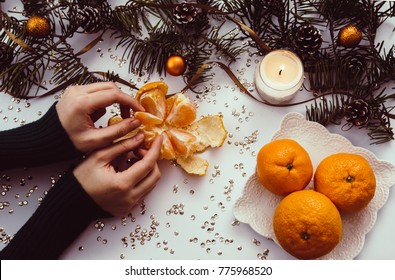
{"points": [[66, 210], [41, 142], [63, 214]]}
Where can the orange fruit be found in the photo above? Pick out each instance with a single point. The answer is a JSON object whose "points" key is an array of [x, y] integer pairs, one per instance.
{"points": [[284, 166], [184, 142], [174, 119], [162, 86], [181, 111], [147, 118], [154, 102], [307, 224], [346, 179]]}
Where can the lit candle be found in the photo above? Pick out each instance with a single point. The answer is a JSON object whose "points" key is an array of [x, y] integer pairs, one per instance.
{"points": [[279, 76]]}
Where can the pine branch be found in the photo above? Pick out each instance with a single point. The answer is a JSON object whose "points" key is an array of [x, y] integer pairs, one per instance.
{"points": [[327, 111]]}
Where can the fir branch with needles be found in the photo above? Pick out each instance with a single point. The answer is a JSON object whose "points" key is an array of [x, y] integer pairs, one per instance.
{"points": [[149, 32]]}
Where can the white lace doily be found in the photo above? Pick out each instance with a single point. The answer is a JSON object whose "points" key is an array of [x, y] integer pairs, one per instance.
{"points": [[256, 205]]}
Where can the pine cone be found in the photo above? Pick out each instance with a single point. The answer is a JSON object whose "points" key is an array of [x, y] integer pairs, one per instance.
{"points": [[185, 13], [308, 39], [33, 7], [90, 19], [355, 63], [357, 112], [6, 55]]}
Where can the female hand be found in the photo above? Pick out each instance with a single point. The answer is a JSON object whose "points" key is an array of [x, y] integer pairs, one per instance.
{"points": [[81, 106], [118, 192]]}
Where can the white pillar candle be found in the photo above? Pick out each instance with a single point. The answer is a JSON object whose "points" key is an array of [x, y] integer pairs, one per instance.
{"points": [[279, 76]]}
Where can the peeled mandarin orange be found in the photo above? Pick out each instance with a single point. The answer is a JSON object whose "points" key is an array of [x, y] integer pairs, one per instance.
{"points": [[167, 150], [162, 86], [184, 142], [181, 111], [346, 179], [147, 118], [284, 166], [174, 119], [307, 224], [154, 102]]}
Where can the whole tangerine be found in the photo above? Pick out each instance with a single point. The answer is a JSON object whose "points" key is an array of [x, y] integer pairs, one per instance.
{"points": [[307, 224], [347, 179], [284, 166]]}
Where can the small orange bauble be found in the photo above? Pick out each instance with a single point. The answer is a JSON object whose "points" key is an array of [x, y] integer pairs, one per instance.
{"points": [[38, 26], [350, 36], [176, 65]]}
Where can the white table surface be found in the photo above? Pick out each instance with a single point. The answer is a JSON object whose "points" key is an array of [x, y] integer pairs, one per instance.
{"points": [[206, 229]]}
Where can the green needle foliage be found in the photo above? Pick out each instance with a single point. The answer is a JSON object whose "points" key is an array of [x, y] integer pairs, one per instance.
{"points": [[149, 32]]}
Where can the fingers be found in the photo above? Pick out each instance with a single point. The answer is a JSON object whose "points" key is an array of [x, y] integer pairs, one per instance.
{"points": [[148, 183], [94, 87], [108, 94], [110, 153], [106, 135], [140, 170]]}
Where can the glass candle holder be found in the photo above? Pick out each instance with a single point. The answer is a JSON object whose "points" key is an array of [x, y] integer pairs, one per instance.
{"points": [[279, 76]]}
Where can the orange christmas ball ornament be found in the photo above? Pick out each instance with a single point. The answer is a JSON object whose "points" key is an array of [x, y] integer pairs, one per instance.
{"points": [[38, 26], [350, 36], [176, 65]]}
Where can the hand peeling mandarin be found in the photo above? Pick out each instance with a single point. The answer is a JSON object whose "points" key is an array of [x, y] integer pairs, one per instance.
{"points": [[175, 119]]}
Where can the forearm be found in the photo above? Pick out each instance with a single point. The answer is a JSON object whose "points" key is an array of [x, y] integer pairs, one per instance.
{"points": [[41, 142], [64, 213]]}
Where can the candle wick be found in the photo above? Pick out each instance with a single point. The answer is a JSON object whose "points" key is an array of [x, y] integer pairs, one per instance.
{"points": [[281, 70]]}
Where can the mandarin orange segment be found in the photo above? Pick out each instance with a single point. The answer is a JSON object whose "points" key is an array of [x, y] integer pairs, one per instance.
{"points": [[181, 111], [307, 224], [184, 142], [150, 132], [167, 150], [147, 119], [154, 102], [162, 86]]}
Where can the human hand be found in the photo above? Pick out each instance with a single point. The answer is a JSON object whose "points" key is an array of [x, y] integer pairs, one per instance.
{"points": [[81, 106], [118, 192]]}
